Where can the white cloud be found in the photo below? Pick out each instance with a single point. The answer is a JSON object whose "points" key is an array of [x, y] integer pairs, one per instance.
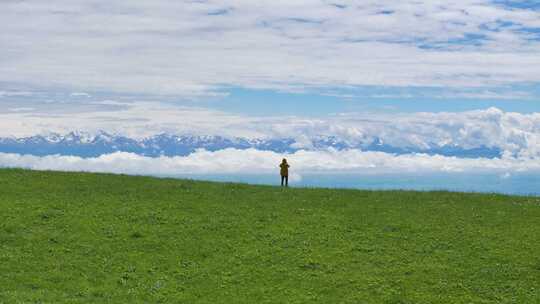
{"points": [[14, 93], [490, 95], [21, 109], [190, 48], [80, 94], [505, 175], [232, 161]]}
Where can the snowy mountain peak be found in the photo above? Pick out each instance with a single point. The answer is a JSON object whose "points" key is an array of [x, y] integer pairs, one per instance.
{"points": [[85, 144]]}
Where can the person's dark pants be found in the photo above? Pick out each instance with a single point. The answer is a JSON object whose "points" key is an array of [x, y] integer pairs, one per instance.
{"points": [[285, 178]]}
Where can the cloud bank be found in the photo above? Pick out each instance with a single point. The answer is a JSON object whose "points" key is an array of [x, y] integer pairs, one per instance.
{"points": [[230, 161]]}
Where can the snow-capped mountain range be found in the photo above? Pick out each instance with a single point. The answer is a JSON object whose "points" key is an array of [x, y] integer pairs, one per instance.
{"points": [[92, 145]]}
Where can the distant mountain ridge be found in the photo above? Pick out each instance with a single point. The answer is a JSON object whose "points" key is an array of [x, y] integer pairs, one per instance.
{"points": [[87, 145]]}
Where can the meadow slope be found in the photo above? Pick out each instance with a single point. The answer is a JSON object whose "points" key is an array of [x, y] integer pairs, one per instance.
{"points": [[100, 238]]}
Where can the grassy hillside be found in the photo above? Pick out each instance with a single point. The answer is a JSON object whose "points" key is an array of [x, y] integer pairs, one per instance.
{"points": [[95, 238]]}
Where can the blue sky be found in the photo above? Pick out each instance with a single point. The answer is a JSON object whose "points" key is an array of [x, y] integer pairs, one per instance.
{"points": [[374, 99], [523, 4]]}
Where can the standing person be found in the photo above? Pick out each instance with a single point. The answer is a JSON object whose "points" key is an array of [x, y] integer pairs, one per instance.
{"points": [[284, 172]]}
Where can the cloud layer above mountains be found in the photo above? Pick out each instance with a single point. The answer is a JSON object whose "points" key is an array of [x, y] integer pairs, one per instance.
{"points": [[513, 134], [193, 48]]}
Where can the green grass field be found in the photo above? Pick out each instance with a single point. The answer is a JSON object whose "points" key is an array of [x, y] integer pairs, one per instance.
{"points": [[97, 238]]}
